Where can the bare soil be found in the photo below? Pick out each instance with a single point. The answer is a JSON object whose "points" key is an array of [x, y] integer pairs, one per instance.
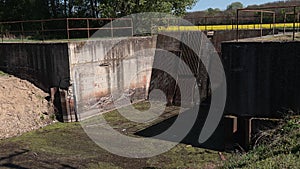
{"points": [[23, 107]]}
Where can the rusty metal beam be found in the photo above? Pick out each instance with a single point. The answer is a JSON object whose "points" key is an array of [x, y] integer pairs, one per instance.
{"points": [[264, 11], [270, 7]]}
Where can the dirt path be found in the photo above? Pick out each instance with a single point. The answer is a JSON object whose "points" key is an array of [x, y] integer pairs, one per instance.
{"points": [[23, 107]]}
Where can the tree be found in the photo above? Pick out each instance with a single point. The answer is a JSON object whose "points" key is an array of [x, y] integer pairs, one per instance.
{"points": [[213, 12], [234, 6], [119, 8]]}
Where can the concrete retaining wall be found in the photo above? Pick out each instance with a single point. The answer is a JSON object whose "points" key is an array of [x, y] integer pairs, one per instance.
{"points": [[104, 70], [45, 64], [87, 73]]}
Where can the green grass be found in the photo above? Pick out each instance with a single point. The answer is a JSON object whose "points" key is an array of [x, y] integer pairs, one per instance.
{"points": [[63, 145], [279, 148], [2, 73]]}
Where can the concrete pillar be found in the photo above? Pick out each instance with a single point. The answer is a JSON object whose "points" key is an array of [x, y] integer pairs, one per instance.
{"points": [[67, 110], [53, 90]]}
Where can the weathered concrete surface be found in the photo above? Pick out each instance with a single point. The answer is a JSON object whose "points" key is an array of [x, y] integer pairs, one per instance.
{"points": [[262, 78], [102, 70], [44, 64], [165, 82], [84, 74]]}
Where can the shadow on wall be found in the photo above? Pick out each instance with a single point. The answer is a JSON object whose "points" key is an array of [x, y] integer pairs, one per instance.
{"points": [[44, 65]]}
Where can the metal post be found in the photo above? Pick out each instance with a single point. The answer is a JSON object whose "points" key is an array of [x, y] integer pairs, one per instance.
{"points": [[68, 32], [88, 28], [22, 28], [284, 23], [111, 28], [237, 25], [274, 21], [294, 24], [298, 21], [2, 36], [205, 23], [132, 27], [261, 21], [42, 25]]}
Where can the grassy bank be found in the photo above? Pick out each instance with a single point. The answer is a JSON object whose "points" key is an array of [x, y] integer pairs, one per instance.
{"points": [[275, 149], [66, 145]]}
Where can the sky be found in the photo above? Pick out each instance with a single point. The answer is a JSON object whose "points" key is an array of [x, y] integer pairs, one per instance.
{"points": [[222, 4]]}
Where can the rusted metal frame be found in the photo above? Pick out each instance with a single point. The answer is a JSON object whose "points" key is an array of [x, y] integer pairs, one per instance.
{"points": [[99, 19], [45, 30], [30, 21], [111, 28], [132, 31], [68, 27], [294, 22], [298, 21], [84, 29], [88, 28], [2, 32], [22, 30], [285, 18], [261, 19], [237, 24], [264, 11], [42, 26], [261, 22], [271, 7]]}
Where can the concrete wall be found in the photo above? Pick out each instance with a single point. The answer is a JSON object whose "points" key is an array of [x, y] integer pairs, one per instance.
{"points": [[262, 78], [87, 73], [163, 81], [45, 65], [106, 67]]}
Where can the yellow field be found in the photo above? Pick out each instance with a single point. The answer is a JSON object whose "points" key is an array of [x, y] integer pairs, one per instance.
{"points": [[227, 27]]}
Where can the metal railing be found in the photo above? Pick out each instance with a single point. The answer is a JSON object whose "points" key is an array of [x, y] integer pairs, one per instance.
{"points": [[263, 10], [63, 28]]}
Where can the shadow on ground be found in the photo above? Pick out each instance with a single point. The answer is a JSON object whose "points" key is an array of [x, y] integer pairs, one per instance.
{"points": [[215, 142]]}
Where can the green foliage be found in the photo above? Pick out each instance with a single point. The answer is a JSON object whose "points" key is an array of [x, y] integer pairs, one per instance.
{"points": [[234, 6], [43, 9], [2, 73], [42, 117]]}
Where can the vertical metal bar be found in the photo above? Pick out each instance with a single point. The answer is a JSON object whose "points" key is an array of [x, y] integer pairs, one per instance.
{"points": [[152, 27], [274, 21], [132, 27], [298, 21], [294, 23], [68, 32], [88, 28], [111, 28], [237, 25], [284, 23], [261, 21], [22, 29], [2, 36], [42, 25], [205, 23]]}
